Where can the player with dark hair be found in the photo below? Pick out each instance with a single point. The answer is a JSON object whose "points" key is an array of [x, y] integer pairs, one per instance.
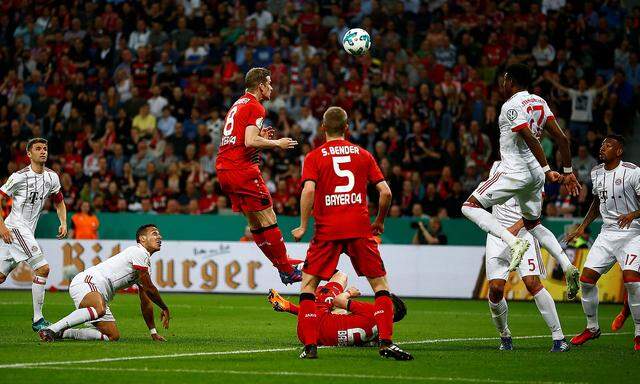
{"points": [[29, 189], [342, 321], [243, 136], [93, 289], [335, 179], [616, 197], [521, 175]]}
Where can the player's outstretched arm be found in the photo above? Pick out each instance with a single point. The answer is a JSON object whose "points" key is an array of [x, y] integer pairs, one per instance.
{"points": [[146, 307], [384, 202], [342, 300], [306, 204], [569, 179], [592, 214], [61, 210], [253, 139], [152, 293]]}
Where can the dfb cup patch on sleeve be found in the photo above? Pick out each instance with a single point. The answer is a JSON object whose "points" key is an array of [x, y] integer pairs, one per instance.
{"points": [[512, 114], [259, 121]]}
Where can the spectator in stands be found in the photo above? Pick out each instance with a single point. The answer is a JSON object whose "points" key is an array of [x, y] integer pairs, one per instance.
{"points": [[431, 234]]}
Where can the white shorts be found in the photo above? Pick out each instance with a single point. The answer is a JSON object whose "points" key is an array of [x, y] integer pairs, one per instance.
{"points": [[82, 284], [23, 248], [610, 247], [498, 257], [525, 187]]}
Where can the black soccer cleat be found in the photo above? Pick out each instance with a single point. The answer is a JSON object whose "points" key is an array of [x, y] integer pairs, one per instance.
{"points": [[289, 278], [47, 335], [393, 351], [309, 352]]}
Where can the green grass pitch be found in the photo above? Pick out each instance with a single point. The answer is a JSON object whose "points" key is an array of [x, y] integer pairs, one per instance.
{"points": [[240, 339]]}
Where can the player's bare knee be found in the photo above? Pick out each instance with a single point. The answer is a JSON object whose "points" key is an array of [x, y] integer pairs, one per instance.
{"points": [[533, 284], [379, 283], [496, 290], [589, 276], [42, 271], [530, 223], [2, 278], [113, 335]]}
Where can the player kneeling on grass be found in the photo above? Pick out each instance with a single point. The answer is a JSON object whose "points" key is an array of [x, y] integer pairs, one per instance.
{"points": [[498, 258], [335, 178], [342, 321], [92, 289]]}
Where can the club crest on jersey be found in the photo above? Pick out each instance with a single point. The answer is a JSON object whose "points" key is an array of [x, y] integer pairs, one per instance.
{"points": [[512, 114], [618, 181], [34, 249], [47, 185], [259, 122]]}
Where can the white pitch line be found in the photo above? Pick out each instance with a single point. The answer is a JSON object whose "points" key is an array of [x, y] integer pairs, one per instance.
{"points": [[310, 374], [251, 351]]}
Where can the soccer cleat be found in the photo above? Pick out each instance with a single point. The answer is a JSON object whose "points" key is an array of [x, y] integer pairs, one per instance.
{"points": [[560, 346], [517, 252], [618, 322], [309, 352], [573, 282], [40, 325], [506, 344], [393, 351], [278, 303], [47, 335], [289, 278], [585, 336], [636, 343]]}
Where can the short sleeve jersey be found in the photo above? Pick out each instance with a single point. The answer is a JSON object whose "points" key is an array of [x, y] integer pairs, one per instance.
{"points": [[121, 271], [341, 171], [29, 191], [233, 154], [619, 192], [522, 111]]}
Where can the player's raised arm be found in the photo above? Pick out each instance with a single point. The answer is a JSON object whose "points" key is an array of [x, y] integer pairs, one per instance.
{"points": [[561, 139], [253, 139], [146, 307], [152, 293]]}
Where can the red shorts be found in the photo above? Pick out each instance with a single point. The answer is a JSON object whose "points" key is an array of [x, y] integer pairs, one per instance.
{"points": [[246, 189], [323, 256]]}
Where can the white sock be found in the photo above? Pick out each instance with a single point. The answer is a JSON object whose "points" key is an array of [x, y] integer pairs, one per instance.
{"points": [[499, 314], [84, 334], [37, 295], [633, 289], [549, 242], [79, 316], [488, 223], [547, 309], [590, 304]]}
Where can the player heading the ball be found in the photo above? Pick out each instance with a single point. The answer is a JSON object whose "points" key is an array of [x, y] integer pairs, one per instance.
{"points": [[243, 137]]}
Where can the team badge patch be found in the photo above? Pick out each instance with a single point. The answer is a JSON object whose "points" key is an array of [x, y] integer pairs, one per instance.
{"points": [[512, 114], [34, 249], [618, 181], [47, 185]]}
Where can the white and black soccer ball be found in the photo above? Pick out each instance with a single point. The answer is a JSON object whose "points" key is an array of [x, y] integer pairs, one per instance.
{"points": [[356, 42]]}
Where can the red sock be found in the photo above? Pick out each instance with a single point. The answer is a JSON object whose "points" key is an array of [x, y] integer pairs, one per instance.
{"points": [[307, 319], [384, 315], [270, 241], [625, 306]]}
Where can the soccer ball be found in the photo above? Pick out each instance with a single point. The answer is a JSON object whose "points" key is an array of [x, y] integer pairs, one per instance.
{"points": [[356, 42]]}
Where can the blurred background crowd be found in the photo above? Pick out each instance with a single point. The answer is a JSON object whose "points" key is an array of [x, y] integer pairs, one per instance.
{"points": [[132, 94]]}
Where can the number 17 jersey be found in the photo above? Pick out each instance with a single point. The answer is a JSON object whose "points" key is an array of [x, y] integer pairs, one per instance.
{"points": [[341, 171]]}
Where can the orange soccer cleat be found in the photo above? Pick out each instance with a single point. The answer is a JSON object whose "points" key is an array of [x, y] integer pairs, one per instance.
{"points": [[585, 336], [279, 303], [618, 322]]}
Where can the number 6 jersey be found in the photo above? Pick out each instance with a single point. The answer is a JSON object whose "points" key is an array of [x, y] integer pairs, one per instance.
{"points": [[29, 191], [341, 171]]}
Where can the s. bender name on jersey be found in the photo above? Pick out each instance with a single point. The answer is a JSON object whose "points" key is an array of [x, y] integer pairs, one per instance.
{"points": [[342, 198], [341, 150]]}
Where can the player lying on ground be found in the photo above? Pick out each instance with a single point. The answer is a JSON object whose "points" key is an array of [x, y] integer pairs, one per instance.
{"points": [[522, 172], [342, 321], [335, 178], [29, 188], [93, 289], [497, 259], [616, 195], [239, 175]]}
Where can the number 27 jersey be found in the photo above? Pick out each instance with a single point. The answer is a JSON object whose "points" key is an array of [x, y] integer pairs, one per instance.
{"points": [[342, 172]]}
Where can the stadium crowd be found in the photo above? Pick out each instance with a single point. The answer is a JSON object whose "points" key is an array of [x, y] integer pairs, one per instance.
{"points": [[132, 95]]}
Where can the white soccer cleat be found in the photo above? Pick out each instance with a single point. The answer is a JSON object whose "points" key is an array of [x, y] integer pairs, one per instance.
{"points": [[518, 249]]}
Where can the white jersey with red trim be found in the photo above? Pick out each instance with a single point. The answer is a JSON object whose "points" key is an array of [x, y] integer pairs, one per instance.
{"points": [[29, 191], [121, 271], [522, 110], [619, 192]]}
